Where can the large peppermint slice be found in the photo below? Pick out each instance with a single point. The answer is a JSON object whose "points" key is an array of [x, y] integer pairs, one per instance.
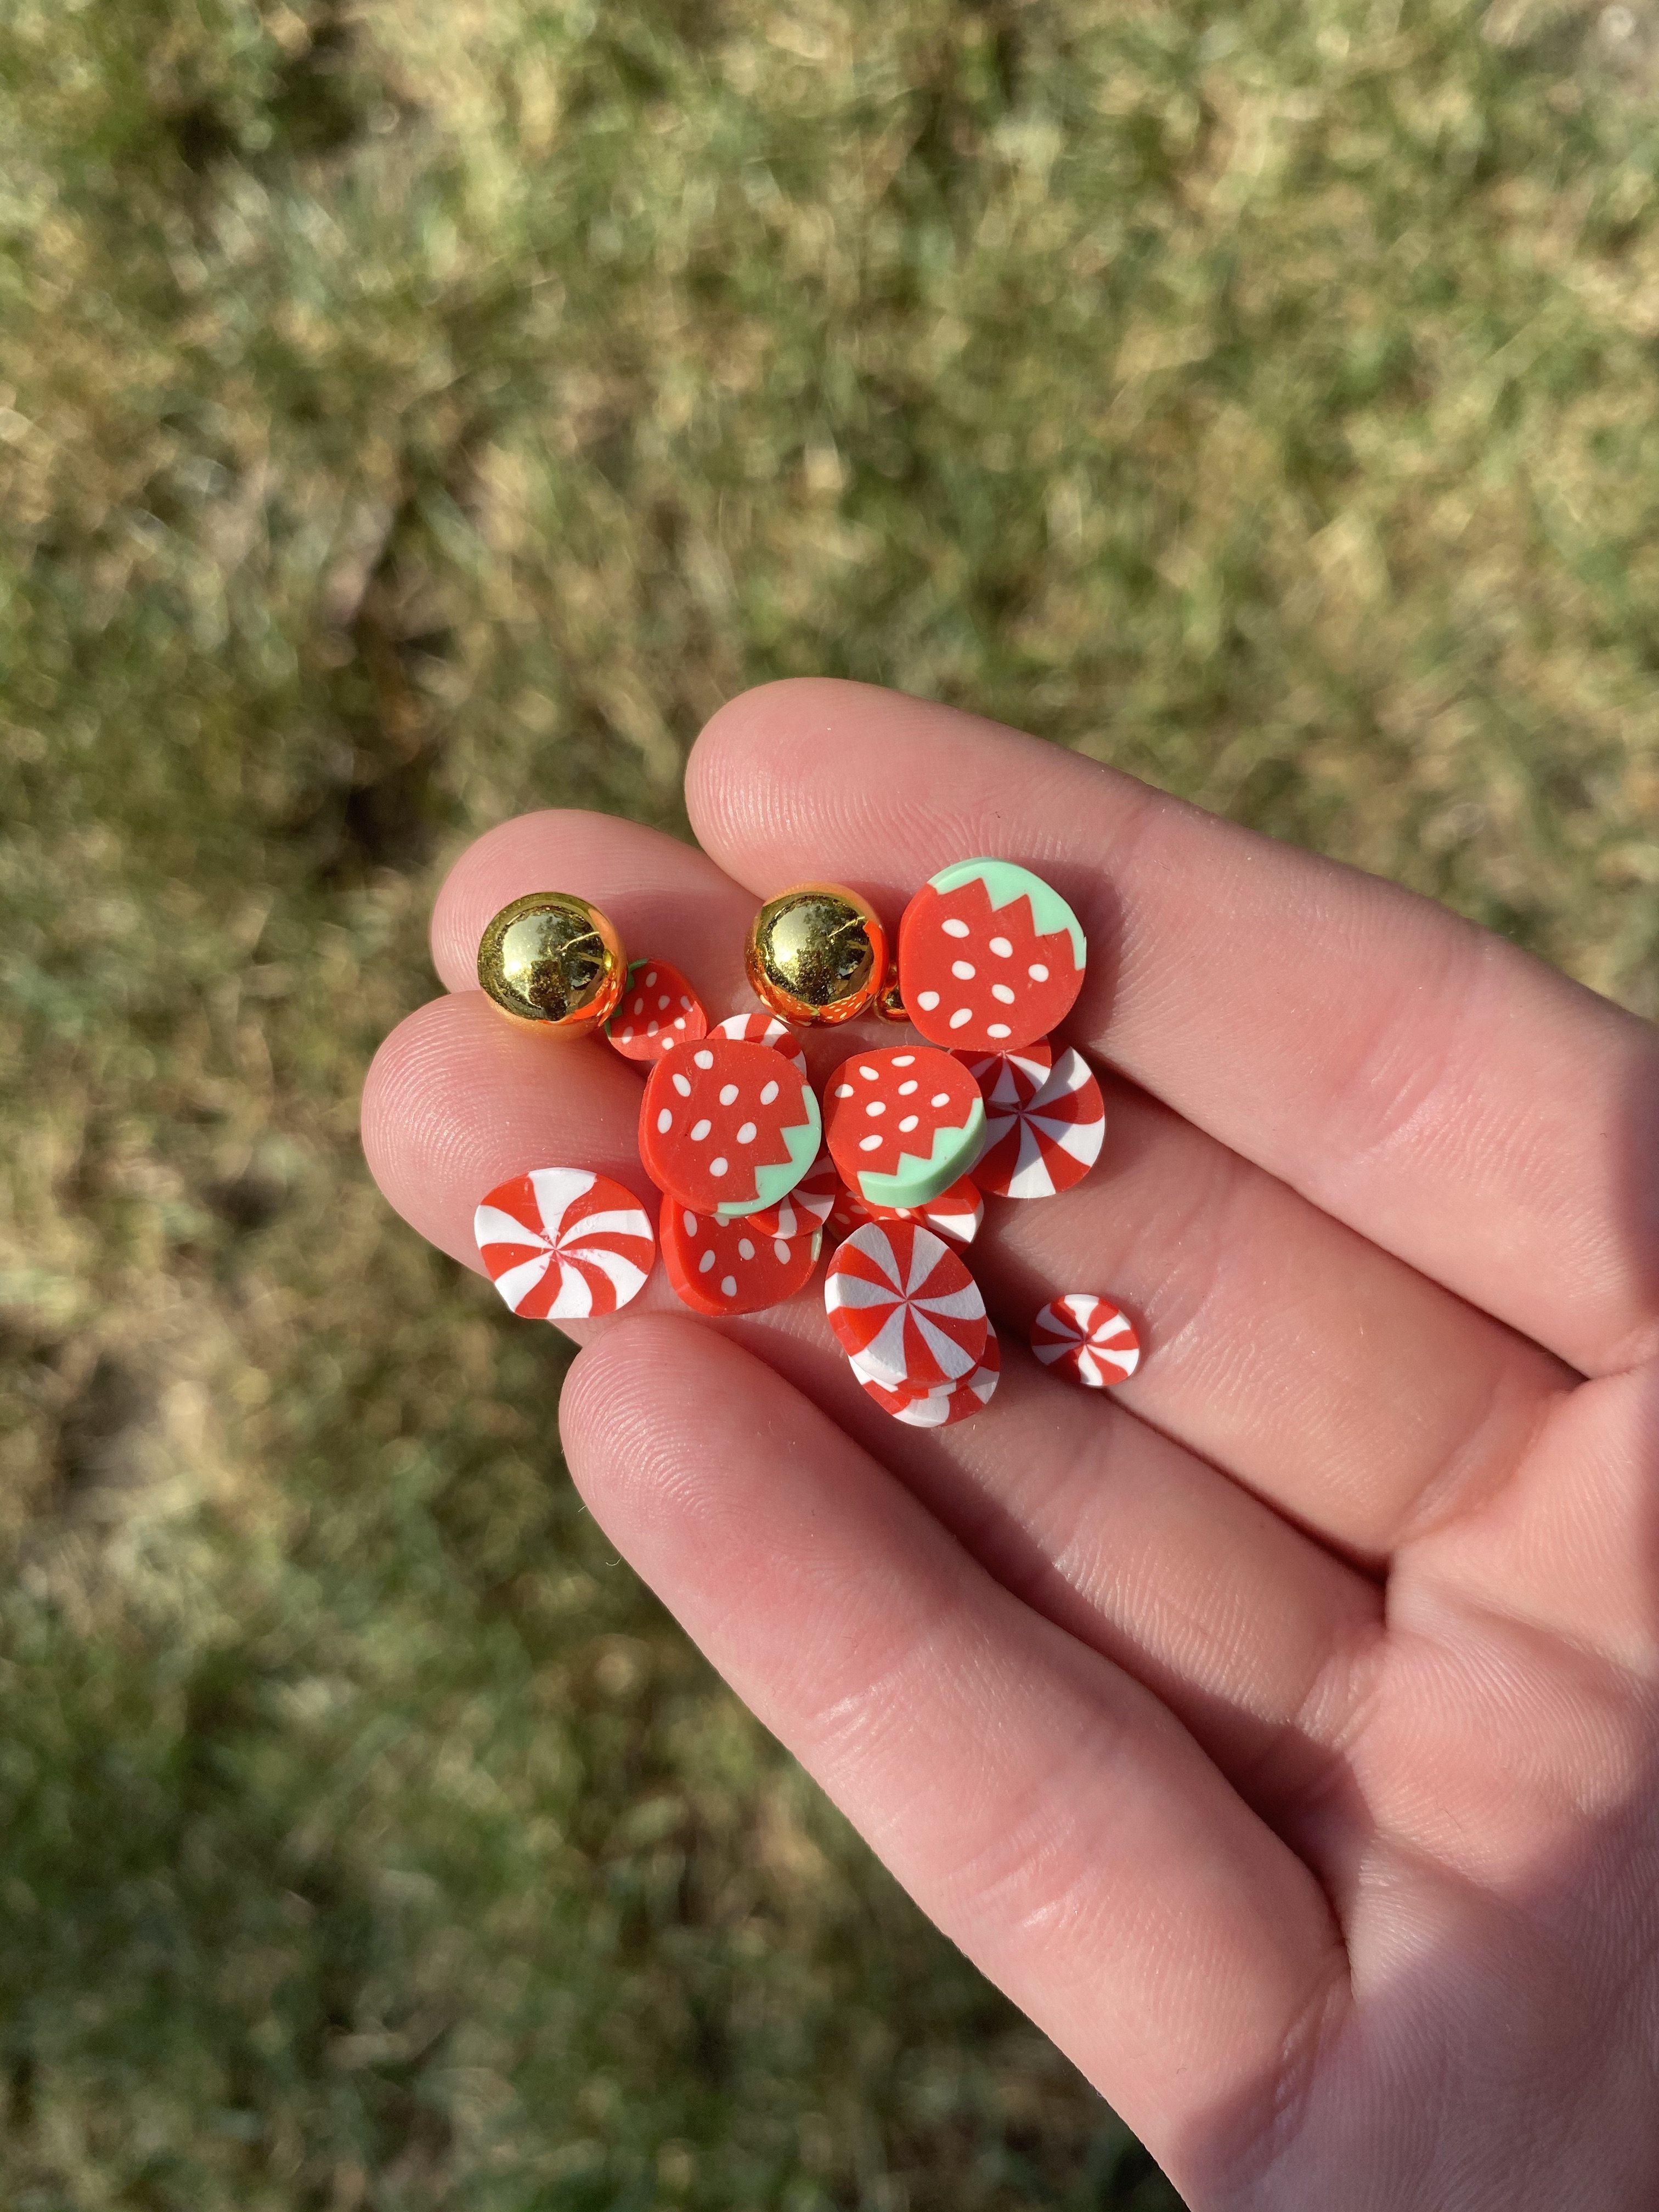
{"points": [[1049, 1143], [727, 1127], [901, 1300], [721, 1267], [1087, 1339], [564, 1243], [658, 1010], [939, 1409], [990, 957], [1010, 1078], [903, 1124], [764, 1029]]}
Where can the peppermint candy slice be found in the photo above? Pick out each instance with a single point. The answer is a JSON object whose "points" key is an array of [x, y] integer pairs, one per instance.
{"points": [[939, 1409], [564, 1243], [1048, 1143], [1087, 1339], [721, 1267], [764, 1029], [657, 1011], [1010, 1078], [899, 1298], [808, 1207], [955, 1214]]}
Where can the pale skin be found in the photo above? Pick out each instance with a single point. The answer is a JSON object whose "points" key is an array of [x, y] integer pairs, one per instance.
{"points": [[1281, 1730]]}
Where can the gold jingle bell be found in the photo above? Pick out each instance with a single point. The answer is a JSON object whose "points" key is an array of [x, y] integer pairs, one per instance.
{"points": [[816, 955], [554, 962]]}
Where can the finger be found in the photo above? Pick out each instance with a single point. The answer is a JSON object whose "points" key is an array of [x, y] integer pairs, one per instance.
{"points": [[1452, 1099], [1259, 1639], [1331, 1377], [1038, 1804]]}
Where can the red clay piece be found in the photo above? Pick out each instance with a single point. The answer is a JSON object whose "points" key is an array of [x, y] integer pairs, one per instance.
{"points": [[903, 1124], [1010, 1078], [726, 1127], [722, 1268], [657, 1011], [1087, 1339], [1045, 1146], [991, 957], [564, 1243], [939, 1409], [901, 1300]]}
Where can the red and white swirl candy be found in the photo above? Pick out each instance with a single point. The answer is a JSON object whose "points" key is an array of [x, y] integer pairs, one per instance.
{"points": [[939, 1409], [900, 1300], [1087, 1339], [564, 1243], [1047, 1145]]}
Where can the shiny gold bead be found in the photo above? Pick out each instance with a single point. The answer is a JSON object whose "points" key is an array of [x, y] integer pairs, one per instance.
{"points": [[816, 954], [554, 962]]}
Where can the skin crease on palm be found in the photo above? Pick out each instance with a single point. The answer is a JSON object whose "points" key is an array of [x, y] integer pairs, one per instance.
{"points": [[1282, 1731]]}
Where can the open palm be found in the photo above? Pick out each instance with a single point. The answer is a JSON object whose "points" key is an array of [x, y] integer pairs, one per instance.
{"points": [[1280, 1733]]}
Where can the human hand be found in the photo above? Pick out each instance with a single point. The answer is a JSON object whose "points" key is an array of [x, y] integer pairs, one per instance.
{"points": [[1281, 1732]]}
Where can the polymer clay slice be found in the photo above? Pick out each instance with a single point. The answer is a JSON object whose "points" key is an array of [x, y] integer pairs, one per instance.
{"points": [[727, 1127], [1045, 1146], [1087, 1339], [939, 1409], [903, 1124], [808, 1207], [658, 1010], [564, 1243], [721, 1267], [900, 1299], [955, 1214], [1010, 1078], [990, 957], [764, 1029]]}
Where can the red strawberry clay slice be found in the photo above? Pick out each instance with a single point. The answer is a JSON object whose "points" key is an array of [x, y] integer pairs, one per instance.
{"points": [[990, 957], [939, 1409], [658, 1010], [901, 1301], [726, 1127], [564, 1243], [903, 1124], [765, 1029], [1048, 1144], [720, 1267], [1010, 1078]]}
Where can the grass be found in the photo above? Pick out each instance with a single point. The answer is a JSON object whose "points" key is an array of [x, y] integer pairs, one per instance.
{"points": [[412, 412]]}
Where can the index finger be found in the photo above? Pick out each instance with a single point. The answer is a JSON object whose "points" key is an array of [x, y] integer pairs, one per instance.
{"points": [[1454, 1099]]}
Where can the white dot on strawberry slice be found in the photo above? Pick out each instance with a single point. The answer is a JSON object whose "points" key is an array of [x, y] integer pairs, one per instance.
{"points": [[665, 1122], [703, 1059], [728, 1286], [962, 1017], [705, 1263], [768, 1093], [1038, 971], [728, 1094], [1001, 947], [875, 1108], [964, 971], [683, 1085], [700, 1130], [1002, 994], [954, 927], [746, 1134], [745, 1251], [718, 1167], [869, 1144], [927, 1000]]}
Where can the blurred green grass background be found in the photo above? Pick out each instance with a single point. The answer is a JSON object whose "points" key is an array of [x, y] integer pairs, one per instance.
{"points": [[411, 412]]}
